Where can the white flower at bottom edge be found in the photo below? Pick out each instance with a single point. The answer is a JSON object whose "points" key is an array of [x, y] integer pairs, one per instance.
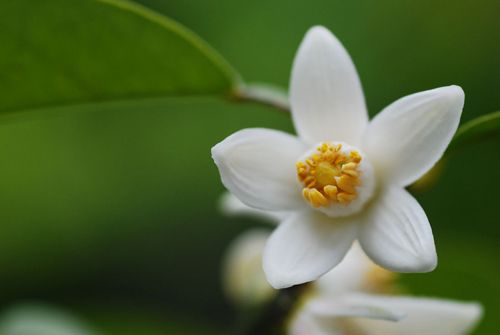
{"points": [[342, 178], [347, 300], [365, 314]]}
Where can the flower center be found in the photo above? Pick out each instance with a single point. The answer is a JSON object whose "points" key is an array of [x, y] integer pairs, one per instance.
{"points": [[330, 175]]}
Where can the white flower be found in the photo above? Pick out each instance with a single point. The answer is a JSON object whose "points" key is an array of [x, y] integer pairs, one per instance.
{"points": [[347, 300], [342, 178]]}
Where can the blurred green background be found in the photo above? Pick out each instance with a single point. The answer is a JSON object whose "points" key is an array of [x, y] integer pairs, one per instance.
{"points": [[109, 209]]}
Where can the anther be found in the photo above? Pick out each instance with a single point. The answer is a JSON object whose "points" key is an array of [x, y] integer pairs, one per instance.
{"points": [[329, 175], [331, 191], [315, 198]]}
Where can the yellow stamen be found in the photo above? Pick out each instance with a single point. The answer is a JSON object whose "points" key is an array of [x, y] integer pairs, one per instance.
{"points": [[346, 183], [349, 166], [352, 173], [345, 198], [329, 175], [331, 191], [315, 198]]}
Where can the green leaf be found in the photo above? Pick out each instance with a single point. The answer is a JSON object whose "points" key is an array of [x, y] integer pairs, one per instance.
{"points": [[483, 127], [64, 52]]}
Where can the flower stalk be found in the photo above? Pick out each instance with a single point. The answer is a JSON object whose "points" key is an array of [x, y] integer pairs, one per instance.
{"points": [[271, 318]]}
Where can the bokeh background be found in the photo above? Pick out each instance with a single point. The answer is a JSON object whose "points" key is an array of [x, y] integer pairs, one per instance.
{"points": [[109, 210]]}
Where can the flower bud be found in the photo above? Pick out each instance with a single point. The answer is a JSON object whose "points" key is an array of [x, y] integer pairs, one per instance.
{"points": [[244, 281]]}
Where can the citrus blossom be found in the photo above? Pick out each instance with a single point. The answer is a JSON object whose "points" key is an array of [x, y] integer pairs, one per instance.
{"points": [[343, 177]]}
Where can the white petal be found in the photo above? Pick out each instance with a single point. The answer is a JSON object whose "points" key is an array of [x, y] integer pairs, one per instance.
{"points": [[306, 246], [409, 136], [396, 234], [232, 206], [305, 323], [354, 305], [349, 275], [424, 316], [326, 96], [258, 167]]}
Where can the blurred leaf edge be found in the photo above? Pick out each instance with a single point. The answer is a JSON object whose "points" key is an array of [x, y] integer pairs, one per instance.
{"points": [[478, 129]]}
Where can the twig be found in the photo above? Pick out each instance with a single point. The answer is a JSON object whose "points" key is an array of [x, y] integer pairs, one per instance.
{"points": [[264, 94]]}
